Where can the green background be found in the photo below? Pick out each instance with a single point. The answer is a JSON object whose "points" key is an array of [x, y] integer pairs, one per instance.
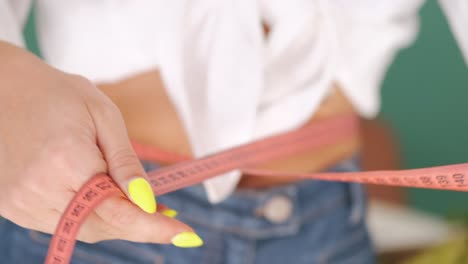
{"points": [[425, 98]]}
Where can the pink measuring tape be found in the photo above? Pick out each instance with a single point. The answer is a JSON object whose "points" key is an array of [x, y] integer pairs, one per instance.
{"points": [[245, 157]]}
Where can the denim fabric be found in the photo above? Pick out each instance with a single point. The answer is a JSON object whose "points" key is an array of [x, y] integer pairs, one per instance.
{"points": [[327, 225]]}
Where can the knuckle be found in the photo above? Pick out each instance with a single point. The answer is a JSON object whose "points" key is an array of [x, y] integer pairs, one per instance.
{"points": [[95, 98], [107, 109], [151, 237], [123, 219], [96, 232], [80, 81], [119, 216], [123, 158]]}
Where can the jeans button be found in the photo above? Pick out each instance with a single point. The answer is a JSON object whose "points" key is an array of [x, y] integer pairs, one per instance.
{"points": [[277, 209]]}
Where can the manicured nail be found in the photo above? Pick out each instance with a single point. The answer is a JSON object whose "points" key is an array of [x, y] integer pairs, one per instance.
{"points": [[187, 240], [142, 195], [170, 213]]}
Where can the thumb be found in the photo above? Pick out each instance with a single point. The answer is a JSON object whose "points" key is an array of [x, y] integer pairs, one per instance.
{"points": [[123, 164]]}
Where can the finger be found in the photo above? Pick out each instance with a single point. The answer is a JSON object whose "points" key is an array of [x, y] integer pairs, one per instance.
{"points": [[96, 229], [123, 220], [123, 164], [164, 210]]}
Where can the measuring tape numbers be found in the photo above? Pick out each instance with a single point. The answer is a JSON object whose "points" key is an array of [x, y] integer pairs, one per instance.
{"points": [[190, 172]]}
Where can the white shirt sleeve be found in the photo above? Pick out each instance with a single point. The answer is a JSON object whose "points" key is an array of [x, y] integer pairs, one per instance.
{"points": [[457, 16], [368, 36], [13, 14], [102, 40]]}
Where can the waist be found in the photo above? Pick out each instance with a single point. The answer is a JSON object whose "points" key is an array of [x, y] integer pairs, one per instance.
{"points": [[259, 213], [152, 120]]}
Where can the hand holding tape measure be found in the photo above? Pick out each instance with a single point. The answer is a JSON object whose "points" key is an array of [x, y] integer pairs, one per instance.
{"points": [[190, 172], [92, 139], [56, 131]]}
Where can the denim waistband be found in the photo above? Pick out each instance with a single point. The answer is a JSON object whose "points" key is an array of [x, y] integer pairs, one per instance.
{"points": [[241, 213]]}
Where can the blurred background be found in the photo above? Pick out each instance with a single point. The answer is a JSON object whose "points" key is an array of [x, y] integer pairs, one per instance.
{"points": [[423, 123]]}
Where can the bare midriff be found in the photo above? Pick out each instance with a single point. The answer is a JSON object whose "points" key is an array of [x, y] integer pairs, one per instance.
{"points": [[152, 119]]}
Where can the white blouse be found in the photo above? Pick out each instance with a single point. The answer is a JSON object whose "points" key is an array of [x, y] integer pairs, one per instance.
{"points": [[229, 83]]}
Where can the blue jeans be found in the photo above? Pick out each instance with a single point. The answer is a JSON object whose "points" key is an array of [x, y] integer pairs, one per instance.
{"points": [[323, 223]]}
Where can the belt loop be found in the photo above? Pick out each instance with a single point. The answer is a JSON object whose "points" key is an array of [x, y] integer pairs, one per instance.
{"points": [[358, 203], [356, 191]]}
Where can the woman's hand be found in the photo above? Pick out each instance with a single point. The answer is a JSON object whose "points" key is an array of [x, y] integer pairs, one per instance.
{"points": [[56, 131]]}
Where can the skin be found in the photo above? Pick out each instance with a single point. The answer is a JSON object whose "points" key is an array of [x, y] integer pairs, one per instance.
{"points": [[56, 131], [152, 119]]}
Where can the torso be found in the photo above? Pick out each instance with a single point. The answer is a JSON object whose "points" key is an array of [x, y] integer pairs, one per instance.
{"points": [[152, 119]]}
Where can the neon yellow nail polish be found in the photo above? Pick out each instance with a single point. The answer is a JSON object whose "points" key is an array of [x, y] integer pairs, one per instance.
{"points": [[142, 195], [170, 213], [187, 240]]}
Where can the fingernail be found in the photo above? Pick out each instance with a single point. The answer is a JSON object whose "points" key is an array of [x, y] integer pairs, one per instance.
{"points": [[170, 213], [187, 240], [142, 195]]}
